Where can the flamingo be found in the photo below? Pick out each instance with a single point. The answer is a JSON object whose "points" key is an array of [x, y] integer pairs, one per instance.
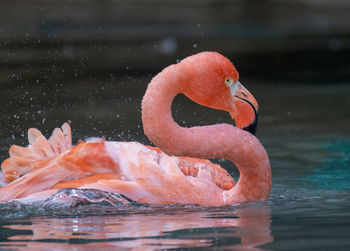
{"points": [[177, 170]]}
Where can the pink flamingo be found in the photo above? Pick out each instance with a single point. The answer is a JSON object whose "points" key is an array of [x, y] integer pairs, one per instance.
{"points": [[149, 174]]}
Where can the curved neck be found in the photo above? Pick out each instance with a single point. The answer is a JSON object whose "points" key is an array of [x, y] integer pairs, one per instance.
{"points": [[214, 141]]}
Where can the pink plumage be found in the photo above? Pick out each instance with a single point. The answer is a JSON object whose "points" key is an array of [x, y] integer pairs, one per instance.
{"points": [[176, 171]]}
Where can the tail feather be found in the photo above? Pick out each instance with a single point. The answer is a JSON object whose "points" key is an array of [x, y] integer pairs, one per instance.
{"points": [[24, 159], [67, 134], [21, 154], [58, 141], [39, 144]]}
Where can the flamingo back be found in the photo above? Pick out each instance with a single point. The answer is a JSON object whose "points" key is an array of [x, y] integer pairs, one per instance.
{"points": [[143, 173]]}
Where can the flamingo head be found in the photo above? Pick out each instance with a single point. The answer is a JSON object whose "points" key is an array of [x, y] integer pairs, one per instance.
{"points": [[213, 81]]}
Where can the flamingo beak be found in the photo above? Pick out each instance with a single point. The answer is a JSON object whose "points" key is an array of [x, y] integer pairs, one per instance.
{"points": [[244, 108]]}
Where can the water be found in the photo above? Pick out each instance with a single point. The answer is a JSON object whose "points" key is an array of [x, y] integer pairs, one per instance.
{"points": [[148, 229], [303, 127]]}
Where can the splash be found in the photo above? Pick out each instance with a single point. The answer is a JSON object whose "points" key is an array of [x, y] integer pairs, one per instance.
{"points": [[69, 202]]}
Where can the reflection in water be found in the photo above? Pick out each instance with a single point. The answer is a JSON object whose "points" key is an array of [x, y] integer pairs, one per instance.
{"points": [[243, 227]]}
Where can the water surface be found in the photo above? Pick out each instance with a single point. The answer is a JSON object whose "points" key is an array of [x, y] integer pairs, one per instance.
{"points": [[305, 129]]}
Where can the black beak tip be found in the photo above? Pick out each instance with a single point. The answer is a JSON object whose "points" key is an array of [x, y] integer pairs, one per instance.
{"points": [[253, 126]]}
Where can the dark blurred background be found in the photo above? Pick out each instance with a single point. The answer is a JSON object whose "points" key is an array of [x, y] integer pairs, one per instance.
{"points": [[90, 61], [284, 39]]}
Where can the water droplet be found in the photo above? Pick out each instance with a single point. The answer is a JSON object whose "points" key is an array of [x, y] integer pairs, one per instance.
{"points": [[168, 45]]}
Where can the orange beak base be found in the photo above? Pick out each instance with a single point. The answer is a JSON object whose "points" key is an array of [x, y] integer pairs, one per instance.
{"points": [[252, 126]]}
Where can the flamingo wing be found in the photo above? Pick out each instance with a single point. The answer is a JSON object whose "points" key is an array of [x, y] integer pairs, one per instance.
{"points": [[143, 173]]}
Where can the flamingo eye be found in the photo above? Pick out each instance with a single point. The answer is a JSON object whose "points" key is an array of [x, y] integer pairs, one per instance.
{"points": [[228, 81]]}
